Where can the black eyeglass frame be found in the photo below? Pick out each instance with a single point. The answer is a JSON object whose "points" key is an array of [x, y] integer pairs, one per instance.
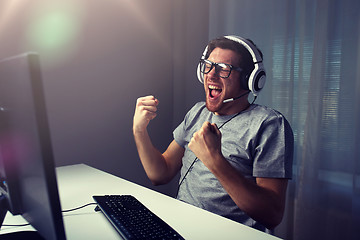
{"points": [[217, 66]]}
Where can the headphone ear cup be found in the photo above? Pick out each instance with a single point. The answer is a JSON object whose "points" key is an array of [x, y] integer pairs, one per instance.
{"points": [[199, 74], [257, 80]]}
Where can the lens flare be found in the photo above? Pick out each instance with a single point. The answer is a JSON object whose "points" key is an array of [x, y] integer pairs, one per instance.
{"points": [[53, 29]]}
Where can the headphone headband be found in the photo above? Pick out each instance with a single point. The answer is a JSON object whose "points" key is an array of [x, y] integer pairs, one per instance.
{"points": [[248, 45], [256, 79]]}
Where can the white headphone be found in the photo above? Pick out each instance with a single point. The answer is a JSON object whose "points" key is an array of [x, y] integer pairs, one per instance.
{"points": [[256, 79]]}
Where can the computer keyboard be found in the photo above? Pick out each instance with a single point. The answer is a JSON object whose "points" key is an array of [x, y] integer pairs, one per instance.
{"points": [[132, 219]]}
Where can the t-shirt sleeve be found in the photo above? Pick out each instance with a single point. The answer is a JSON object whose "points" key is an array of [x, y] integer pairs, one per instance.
{"points": [[181, 134], [274, 149]]}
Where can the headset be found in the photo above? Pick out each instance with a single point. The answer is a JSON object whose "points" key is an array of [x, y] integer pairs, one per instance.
{"points": [[257, 78]]}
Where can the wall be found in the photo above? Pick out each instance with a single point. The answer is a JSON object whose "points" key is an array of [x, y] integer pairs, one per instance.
{"points": [[98, 57]]}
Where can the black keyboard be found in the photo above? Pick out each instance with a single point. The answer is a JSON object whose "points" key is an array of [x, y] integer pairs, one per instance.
{"points": [[132, 219]]}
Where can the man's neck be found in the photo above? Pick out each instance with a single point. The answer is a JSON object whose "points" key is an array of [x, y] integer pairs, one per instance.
{"points": [[236, 107]]}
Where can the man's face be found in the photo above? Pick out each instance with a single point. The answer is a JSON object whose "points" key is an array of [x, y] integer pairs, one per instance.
{"points": [[218, 89]]}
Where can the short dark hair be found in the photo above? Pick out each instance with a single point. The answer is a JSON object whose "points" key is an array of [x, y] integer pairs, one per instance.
{"points": [[245, 58]]}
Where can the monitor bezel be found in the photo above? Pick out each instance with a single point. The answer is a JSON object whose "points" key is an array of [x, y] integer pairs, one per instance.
{"points": [[41, 209]]}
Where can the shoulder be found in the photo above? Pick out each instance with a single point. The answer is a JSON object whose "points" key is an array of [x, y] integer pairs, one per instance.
{"points": [[264, 113], [262, 118], [198, 109], [199, 106], [269, 119]]}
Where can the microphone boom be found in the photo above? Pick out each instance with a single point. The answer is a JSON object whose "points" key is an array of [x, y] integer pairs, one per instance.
{"points": [[233, 99]]}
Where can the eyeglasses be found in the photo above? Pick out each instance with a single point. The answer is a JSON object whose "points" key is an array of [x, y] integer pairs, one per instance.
{"points": [[223, 69]]}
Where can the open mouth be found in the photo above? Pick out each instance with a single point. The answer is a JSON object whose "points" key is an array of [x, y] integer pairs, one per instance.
{"points": [[214, 91]]}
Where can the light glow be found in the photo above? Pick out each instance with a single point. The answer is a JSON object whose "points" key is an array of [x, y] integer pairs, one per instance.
{"points": [[54, 29]]}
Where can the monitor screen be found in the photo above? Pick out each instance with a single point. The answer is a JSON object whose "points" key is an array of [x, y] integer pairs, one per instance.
{"points": [[27, 170]]}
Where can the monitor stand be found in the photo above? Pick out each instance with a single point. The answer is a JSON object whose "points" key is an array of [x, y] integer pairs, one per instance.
{"points": [[21, 235]]}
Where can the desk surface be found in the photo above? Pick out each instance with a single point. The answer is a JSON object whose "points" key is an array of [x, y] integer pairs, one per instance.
{"points": [[78, 183]]}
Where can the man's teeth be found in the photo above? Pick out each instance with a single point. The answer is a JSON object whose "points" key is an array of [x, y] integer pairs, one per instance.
{"points": [[214, 87]]}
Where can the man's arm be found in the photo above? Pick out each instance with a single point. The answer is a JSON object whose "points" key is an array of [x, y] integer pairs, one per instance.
{"points": [[263, 200], [160, 168]]}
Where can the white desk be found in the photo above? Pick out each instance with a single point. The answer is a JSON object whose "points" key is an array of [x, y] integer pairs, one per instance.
{"points": [[78, 183]]}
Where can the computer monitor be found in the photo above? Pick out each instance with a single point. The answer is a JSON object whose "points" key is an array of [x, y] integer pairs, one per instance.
{"points": [[28, 179]]}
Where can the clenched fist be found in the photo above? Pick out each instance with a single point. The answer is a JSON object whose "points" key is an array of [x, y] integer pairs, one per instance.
{"points": [[206, 144], [145, 111]]}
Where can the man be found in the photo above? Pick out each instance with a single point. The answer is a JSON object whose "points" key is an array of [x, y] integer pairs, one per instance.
{"points": [[235, 157]]}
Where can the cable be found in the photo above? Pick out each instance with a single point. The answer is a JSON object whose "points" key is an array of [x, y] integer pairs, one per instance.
{"points": [[63, 211], [77, 208], [195, 160]]}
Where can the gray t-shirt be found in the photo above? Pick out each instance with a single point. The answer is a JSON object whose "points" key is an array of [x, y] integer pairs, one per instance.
{"points": [[258, 142]]}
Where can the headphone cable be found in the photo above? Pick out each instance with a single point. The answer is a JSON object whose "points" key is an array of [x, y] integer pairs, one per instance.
{"points": [[196, 158]]}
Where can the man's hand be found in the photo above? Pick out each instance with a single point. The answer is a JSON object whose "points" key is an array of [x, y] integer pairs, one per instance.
{"points": [[206, 144], [145, 111]]}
